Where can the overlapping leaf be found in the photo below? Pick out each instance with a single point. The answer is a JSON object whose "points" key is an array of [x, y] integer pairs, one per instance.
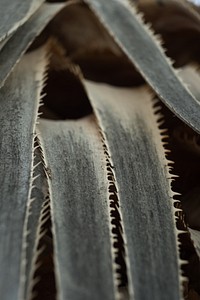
{"points": [[80, 209], [20, 41], [19, 101], [128, 123], [144, 51], [14, 13], [111, 203]]}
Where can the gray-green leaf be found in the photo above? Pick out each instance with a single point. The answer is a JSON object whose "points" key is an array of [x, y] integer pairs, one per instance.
{"points": [[19, 101], [130, 129], [143, 49]]}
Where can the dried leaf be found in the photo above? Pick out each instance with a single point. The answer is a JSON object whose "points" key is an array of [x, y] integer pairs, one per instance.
{"points": [[23, 38], [80, 208], [14, 13], [34, 215], [144, 50], [19, 100], [130, 129]]}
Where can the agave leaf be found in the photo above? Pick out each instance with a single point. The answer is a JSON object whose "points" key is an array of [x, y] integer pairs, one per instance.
{"points": [[80, 208], [23, 38], [19, 100], [144, 51], [130, 129], [34, 215], [14, 13]]}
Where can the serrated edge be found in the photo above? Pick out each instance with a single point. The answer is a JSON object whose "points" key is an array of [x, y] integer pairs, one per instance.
{"points": [[44, 216], [171, 176], [120, 292], [139, 16], [40, 78]]}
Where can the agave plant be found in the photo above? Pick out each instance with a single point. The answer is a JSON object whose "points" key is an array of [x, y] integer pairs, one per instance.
{"points": [[99, 150]]}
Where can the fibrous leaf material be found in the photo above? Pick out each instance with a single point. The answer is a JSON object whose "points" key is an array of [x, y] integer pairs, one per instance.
{"points": [[19, 100], [23, 38], [34, 215], [129, 126], [14, 13], [78, 188], [144, 50]]}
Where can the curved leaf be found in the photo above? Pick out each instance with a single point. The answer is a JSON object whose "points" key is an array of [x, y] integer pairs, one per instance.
{"points": [[21, 40], [14, 13], [19, 101], [80, 209], [130, 129], [144, 51]]}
